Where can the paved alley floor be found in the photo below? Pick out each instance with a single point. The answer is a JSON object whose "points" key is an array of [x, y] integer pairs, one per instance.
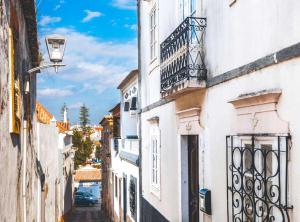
{"points": [[87, 214]]}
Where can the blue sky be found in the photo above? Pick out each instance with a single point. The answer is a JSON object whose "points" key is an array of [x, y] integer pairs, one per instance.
{"points": [[101, 51]]}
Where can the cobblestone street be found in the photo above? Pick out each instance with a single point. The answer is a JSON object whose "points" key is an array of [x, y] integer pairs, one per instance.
{"points": [[87, 214]]}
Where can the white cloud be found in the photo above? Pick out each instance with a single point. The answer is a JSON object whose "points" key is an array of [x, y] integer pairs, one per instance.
{"points": [[75, 105], [125, 4], [54, 92], [46, 20], [132, 27], [94, 65], [58, 6], [91, 15]]}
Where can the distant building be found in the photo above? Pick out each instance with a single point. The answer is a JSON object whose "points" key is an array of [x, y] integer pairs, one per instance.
{"points": [[55, 161], [107, 184], [125, 153]]}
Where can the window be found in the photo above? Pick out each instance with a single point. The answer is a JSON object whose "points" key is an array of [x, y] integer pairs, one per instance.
{"points": [[15, 92], [133, 197], [155, 162], [257, 177], [116, 186], [133, 103], [153, 34], [154, 156], [126, 106]]}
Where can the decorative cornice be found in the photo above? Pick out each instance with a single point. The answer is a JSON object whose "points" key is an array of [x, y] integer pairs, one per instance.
{"points": [[189, 112], [257, 98], [154, 120]]}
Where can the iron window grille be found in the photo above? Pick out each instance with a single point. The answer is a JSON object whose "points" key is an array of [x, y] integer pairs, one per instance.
{"points": [[133, 196], [126, 106], [133, 103], [181, 54], [257, 178]]}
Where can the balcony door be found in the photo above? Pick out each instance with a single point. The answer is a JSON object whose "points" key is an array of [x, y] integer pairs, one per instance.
{"points": [[193, 178], [186, 8]]}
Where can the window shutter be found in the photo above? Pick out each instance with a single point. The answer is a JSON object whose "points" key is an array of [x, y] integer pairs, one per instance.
{"points": [[15, 92], [126, 106], [133, 103]]}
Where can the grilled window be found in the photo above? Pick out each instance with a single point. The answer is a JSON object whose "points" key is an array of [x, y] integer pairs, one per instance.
{"points": [[257, 178], [133, 103], [133, 196]]}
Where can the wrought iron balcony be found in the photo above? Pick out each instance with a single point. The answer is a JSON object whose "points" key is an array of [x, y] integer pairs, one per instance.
{"points": [[182, 57]]}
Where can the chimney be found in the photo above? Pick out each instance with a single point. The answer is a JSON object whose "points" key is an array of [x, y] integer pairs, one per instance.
{"points": [[65, 115]]}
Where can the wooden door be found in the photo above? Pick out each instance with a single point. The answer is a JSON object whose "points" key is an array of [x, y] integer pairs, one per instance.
{"points": [[193, 169], [124, 197]]}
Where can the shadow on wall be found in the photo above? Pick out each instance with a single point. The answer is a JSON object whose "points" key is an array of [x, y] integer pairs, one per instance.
{"points": [[68, 197]]}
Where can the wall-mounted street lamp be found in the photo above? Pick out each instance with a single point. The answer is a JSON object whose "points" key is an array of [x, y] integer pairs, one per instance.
{"points": [[56, 46]]}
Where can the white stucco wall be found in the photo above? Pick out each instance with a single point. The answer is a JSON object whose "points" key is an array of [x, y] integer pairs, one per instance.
{"points": [[48, 155], [129, 126], [247, 31], [283, 76], [168, 203]]}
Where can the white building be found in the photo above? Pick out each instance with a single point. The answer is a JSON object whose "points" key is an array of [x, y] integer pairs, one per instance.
{"points": [[54, 156], [219, 109], [125, 154]]}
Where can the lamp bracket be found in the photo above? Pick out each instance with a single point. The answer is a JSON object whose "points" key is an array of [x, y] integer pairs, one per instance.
{"points": [[37, 69]]}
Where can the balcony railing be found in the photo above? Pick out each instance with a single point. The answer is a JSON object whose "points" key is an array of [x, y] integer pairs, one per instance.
{"points": [[130, 145], [182, 57]]}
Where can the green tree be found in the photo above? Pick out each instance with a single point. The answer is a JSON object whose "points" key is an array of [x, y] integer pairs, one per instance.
{"points": [[84, 116], [84, 147], [98, 152]]}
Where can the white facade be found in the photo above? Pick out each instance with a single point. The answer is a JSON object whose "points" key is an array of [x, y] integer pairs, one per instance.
{"points": [[55, 160], [66, 172], [125, 155], [48, 157], [258, 98]]}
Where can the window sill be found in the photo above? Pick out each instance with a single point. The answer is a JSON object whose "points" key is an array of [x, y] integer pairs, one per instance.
{"points": [[155, 191], [153, 65]]}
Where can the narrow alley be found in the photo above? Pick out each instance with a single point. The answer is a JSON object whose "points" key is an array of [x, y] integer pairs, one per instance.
{"points": [[149, 111], [87, 214]]}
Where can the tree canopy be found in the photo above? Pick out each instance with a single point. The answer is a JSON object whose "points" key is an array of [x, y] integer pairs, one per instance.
{"points": [[84, 119]]}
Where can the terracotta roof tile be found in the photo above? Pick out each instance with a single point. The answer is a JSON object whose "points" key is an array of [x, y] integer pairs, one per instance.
{"points": [[62, 126], [88, 175], [43, 115]]}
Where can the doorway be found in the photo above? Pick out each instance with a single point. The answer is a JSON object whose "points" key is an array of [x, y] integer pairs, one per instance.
{"points": [[124, 197], [190, 178]]}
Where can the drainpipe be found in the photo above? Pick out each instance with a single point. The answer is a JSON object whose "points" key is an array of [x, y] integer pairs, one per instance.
{"points": [[139, 115], [24, 169]]}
